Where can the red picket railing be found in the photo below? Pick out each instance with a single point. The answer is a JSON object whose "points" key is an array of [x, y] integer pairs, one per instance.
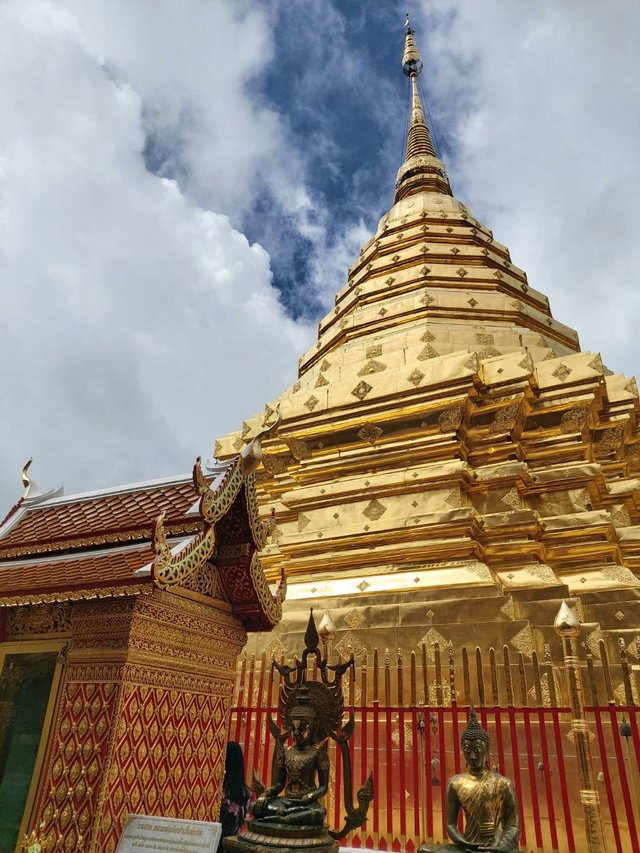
{"points": [[413, 748]]}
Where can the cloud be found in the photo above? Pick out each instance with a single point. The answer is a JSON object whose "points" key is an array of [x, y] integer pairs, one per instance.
{"points": [[541, 103], [141, 142], [136, 325]]}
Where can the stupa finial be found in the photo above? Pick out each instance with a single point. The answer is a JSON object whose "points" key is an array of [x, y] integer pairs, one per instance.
{"points": [[411, 61], [421, 170]]}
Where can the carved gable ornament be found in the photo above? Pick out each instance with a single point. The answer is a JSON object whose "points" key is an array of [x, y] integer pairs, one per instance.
{"points": [[222, 560]]}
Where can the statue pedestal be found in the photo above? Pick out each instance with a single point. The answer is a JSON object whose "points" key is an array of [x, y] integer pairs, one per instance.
{"points": [[443, 848], [273, 840], [439, 848]]}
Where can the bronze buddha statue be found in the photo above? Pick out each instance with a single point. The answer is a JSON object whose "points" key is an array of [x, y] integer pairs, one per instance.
{"points": [[302, 770], [487, 799], [289, 814]]}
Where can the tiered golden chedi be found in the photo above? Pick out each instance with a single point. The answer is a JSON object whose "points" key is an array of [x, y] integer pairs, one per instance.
{"points": [[448, 456]]}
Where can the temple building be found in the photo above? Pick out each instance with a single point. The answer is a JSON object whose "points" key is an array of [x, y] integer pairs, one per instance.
{"points": [[449, 462], [118, 651]]}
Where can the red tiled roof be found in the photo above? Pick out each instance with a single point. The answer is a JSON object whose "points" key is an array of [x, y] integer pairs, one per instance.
{"points": [[13, 510], [102, 568], [100, 518]]}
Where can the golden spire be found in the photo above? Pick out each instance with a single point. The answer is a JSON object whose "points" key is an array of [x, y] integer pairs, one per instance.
{"points": [[422, 170]]}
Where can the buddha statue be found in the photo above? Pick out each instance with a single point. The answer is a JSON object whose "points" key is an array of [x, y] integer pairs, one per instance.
{"points": [[301, 770], [289, 813], [487, 799]]}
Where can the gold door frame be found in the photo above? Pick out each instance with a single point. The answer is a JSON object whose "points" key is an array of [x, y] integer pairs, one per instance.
{"points": [[25, 647]]}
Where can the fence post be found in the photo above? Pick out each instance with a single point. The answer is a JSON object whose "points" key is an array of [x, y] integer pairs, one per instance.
{"points": [[567, 625]]}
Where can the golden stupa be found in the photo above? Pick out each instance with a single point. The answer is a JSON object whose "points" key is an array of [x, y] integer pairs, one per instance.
{"points": [[449, 464]]}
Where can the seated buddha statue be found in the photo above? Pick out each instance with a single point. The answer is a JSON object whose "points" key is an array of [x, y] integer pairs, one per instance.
{"points": [[301, 771], [289, 815], [487, 800]]}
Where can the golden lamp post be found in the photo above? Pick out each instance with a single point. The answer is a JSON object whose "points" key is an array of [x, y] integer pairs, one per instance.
{"points": [[567, 625]]}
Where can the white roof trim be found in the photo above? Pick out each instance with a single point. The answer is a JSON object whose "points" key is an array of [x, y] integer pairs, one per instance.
{"points": [[116, 490], [130, 487], [13, 518], [77, 555], [55, 498], [43, 501]]}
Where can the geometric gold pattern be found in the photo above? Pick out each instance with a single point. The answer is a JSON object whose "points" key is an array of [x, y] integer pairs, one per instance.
{"points": [[311, 403], [374, 510], [505, 418], [621, 574], [450, 418], [544, 688], [562, 372], [302, 521], [633, 648], [512, 498], [575, 419], [350, 644], [72, 782], [361, 390], [369, 432], [372, 366], [480, 570], [415, 377], [542, 572], [275, 649], [182, 727], [427, 352], [354, 618], [508, 609], [454, 498], [429, 641], [524, 641], [592, 641]]}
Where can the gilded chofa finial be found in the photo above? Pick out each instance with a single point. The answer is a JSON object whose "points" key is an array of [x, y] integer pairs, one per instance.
{"points": [[26, 481]]}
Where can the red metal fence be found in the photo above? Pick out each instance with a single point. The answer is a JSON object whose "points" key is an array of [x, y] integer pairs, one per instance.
{"points": [[413, 748]]}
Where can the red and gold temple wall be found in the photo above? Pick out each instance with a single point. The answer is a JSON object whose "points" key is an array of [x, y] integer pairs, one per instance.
{"points": [[141, 719]]}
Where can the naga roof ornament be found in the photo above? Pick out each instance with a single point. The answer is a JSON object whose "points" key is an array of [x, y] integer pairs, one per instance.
{"points": [[227, 546]]}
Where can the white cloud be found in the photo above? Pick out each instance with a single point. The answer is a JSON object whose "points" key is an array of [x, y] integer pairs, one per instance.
{"points": [[135, 325], [543, 100], [138, 323]]}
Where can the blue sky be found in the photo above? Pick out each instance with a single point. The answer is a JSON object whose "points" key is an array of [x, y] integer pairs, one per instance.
{"points": [[353, 141], [335, 82], [184, 183]]}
